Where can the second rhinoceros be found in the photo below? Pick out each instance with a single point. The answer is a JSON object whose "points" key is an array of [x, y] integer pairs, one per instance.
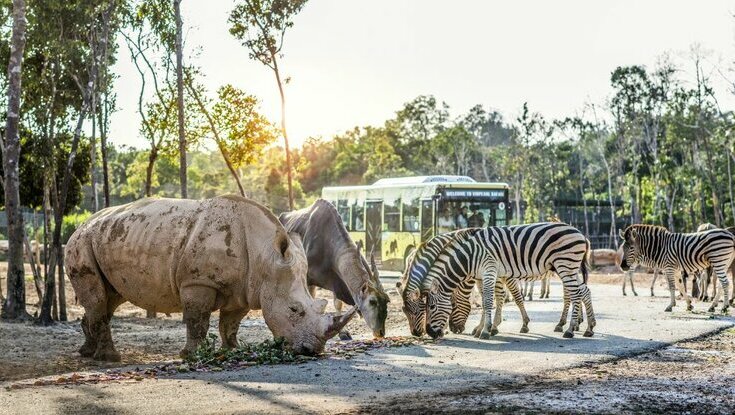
{"points": [[227, 253]]}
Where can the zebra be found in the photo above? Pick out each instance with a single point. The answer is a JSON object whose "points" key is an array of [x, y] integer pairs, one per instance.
{"points": [[419, 262], [461, 306], [656, 247], [514, 252]]}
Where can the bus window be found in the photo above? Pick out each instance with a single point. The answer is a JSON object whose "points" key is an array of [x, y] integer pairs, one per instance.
{"points": [[427, 220], [344, 212], [500, 216], [392, 215], [358, 217], [411, 215]]}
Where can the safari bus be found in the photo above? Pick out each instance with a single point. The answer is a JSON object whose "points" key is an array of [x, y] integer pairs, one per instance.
{"points": [[392, 216]]}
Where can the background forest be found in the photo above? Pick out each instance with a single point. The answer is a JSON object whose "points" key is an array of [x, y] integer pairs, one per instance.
{"points": [[660, 150]]}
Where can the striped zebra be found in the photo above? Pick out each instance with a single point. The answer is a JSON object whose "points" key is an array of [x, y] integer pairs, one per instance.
{"points": [[419, 262], [513, 252], [656, 247]]}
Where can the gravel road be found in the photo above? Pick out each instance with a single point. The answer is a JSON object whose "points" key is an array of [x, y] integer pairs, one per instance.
{"points": [[373, 382]]}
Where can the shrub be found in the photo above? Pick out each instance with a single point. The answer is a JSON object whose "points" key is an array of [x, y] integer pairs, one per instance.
{"points": [[71, 223]]}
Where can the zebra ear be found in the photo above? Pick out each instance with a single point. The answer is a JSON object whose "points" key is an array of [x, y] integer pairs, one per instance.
{"points": [[434, 287], [621, 233]]}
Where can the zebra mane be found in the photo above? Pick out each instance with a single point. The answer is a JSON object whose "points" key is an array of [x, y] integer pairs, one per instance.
{"points": [[427, 254], [648, 229]]}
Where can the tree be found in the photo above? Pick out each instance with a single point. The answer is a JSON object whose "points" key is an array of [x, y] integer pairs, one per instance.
{"points": [[180, 99], [261, 25], [239, 131], [14, 306], [101, 17]]}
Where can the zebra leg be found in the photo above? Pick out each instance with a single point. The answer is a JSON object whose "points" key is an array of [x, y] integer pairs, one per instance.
{"points": [[545, 287], [499, 295], [589, 311], [489, 279], [632, 287], [564, 312], [684, 292], [721, 273], [512, 285], [695, 285], [461, 306], [625, 280], [653, 283], [530, 290], [572, 283], [671, 279], [478, 329]]}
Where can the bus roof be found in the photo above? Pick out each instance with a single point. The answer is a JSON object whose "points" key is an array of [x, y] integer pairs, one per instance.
{"points": [[422, 186], [423, 179]]}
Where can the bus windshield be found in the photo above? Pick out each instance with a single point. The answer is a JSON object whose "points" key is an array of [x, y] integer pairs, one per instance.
{"points": [[459, 214]]}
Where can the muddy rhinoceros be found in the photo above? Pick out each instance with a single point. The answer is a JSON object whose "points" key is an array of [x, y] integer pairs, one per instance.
{"points": [[227, 253]]}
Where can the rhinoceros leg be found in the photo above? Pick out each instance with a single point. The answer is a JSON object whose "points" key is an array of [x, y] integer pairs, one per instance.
{"points": [[99, 300], [95, 327], [197, 303], [229, 323]]}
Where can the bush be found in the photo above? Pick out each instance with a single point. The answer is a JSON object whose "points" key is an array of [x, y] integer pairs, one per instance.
{"points": [[71, 223]]}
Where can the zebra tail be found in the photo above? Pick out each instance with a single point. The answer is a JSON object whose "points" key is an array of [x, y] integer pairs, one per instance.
{"points": [[585, 266]]}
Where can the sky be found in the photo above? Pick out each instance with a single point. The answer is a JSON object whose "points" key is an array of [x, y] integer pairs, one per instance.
{"points": [[355, 63]]}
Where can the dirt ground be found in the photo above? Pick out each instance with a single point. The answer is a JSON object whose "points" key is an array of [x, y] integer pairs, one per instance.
{"points": [[691, 377], [32, 351]]}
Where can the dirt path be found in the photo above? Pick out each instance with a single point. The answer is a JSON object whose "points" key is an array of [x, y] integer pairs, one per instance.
{"points": [[693, 377], [537, 363]]}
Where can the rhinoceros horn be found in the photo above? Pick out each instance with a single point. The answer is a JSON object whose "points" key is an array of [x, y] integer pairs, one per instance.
{"points": [[338, 322]]}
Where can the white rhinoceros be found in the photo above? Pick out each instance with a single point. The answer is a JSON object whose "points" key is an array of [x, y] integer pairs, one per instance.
{"points": [[228, 253]]}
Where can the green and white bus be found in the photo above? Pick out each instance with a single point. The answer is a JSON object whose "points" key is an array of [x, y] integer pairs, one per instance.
{"points": [[393, 216]]}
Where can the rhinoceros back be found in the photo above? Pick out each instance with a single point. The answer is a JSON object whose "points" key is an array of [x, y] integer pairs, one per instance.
{"points": [[149, 249]]}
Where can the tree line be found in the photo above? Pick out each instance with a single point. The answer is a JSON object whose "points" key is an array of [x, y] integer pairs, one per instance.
{"points": [[659, 150]]}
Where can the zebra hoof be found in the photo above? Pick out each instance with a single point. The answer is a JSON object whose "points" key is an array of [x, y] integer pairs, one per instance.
{"points": [[668, 309], [345, 335], [524, 329], [484, 335], [493, 332], [559, 328], [711, 309], [690, 307], [568, 334], [624, 294], [724, 309], [635, 293], [588, 333]]}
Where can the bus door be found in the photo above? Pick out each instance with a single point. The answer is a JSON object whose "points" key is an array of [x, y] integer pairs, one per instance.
{"points": [[373, 228], [427, 220]]}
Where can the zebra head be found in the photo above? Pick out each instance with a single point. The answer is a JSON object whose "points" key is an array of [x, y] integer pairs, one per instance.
{"points": [[415, 310], [631, 250], [439, 307]]}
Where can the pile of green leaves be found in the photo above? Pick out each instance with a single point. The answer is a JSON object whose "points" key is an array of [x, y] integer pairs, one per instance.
{"points": [[268, 352]]}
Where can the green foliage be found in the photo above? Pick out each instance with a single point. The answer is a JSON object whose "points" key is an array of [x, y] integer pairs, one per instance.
{"points": [[261, 24], [70, 224], [268, 352]]}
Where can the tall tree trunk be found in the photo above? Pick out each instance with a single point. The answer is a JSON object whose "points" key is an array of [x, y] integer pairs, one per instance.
{"points": [[283, 130], [57, 256], [613, 226], [729, 184], [152, 157], [180, 100], [103, 149], [93, 155], [14, 306], [584, 199]]}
